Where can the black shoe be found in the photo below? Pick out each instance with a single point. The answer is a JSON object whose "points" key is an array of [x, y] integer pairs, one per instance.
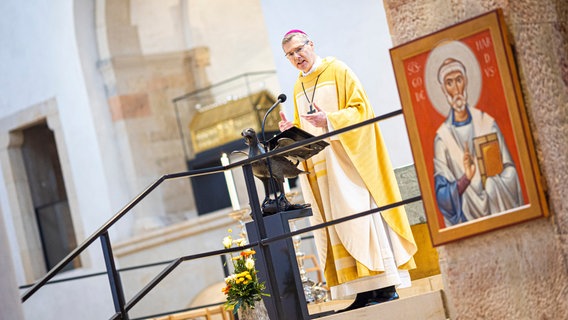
{"points": [[361, 301], [383, 295], [370, 298]]}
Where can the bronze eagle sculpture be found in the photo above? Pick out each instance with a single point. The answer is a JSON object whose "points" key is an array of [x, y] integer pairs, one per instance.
{"points": [[272, 171]]}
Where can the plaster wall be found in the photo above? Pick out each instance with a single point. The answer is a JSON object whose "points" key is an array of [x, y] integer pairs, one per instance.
{"points": [[43, 78], [518, 272], [9, 303], [43, 74]]}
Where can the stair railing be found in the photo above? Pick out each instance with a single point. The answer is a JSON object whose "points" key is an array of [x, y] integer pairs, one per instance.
{"points": [[121, 306]]}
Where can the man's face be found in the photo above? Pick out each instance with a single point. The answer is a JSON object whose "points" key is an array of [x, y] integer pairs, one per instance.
{"points": [[454, 88], [300, 53]]}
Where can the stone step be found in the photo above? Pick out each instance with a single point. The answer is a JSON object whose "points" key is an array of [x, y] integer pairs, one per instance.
{"points": [[424, 306], [422, 301]]}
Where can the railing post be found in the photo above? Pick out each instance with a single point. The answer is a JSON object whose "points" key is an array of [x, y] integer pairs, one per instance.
{"points": [[113, 277]]}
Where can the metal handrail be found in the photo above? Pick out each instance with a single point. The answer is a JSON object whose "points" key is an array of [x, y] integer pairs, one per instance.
{"points": [[264, 242], [125, 269], [102, 232]]}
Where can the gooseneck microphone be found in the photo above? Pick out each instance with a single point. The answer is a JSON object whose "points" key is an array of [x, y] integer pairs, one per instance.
{"points": [[272, 182], [281, 98]]}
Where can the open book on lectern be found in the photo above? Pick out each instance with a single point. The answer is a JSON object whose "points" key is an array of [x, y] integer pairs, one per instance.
{"points": [[293, 135]]}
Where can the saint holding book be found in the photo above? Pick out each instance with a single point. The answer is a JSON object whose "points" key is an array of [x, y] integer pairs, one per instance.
{"points": [[474, 174]]}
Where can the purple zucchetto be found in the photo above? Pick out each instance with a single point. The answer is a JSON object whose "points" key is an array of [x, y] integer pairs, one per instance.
{"points": [[294, 31]]}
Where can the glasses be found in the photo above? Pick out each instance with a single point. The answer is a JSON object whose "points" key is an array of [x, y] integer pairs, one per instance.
{"points": [[297, 51]]}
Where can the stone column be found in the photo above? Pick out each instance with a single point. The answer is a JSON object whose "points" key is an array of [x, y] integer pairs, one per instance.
{"points": [[518, 272]]}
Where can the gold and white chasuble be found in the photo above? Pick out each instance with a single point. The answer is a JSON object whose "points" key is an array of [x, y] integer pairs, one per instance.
{"points": [[353, 174]]}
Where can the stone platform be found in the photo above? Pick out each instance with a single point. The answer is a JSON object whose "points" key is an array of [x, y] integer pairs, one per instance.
{"points": [[422, 301], [426, 306]]}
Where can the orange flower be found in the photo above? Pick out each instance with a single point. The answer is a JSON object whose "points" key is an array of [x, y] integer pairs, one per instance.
{"points": [[247, 253]]}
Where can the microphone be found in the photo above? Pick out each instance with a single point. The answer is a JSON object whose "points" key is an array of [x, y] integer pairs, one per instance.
{"points": [[281, 98]]}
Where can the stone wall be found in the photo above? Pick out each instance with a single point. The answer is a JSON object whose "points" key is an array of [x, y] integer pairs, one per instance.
{"points": [[518, 272]]}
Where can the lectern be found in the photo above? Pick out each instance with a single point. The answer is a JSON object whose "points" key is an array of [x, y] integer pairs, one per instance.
{"points": [[276, 260], [287, 300]]}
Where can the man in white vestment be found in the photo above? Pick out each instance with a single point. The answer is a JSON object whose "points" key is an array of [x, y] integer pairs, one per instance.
{"points": [[462, 193], [368, 257]]}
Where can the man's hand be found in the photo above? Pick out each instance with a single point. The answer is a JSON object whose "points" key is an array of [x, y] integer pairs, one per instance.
{"points": [[284, 124], [317, 119], [468, 163]]}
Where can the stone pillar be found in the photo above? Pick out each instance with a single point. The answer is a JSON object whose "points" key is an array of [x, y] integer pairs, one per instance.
{"points": [[200, 59], [140, 88], [518, 272]]}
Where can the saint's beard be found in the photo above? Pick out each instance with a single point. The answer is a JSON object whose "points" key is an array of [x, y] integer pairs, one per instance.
{"points": [[457, 102]]}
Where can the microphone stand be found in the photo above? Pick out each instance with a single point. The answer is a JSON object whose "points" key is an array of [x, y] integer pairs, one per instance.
{"points": [[281, 98]]}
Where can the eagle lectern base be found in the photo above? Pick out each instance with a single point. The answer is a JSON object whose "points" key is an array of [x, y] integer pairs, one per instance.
{"points": [[287, 299]]}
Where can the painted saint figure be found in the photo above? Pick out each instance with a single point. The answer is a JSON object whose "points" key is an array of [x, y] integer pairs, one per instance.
{"points": [[464, 185]]}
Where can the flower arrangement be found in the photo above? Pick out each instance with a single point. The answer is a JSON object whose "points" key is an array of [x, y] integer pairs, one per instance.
{"points": [[242, 287]]}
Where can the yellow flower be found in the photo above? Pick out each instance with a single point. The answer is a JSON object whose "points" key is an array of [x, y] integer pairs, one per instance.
{"points": [[242, 288]]}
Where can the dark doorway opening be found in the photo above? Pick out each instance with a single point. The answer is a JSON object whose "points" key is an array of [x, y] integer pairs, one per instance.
{"points": [[49, 195], [210, 191]]}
